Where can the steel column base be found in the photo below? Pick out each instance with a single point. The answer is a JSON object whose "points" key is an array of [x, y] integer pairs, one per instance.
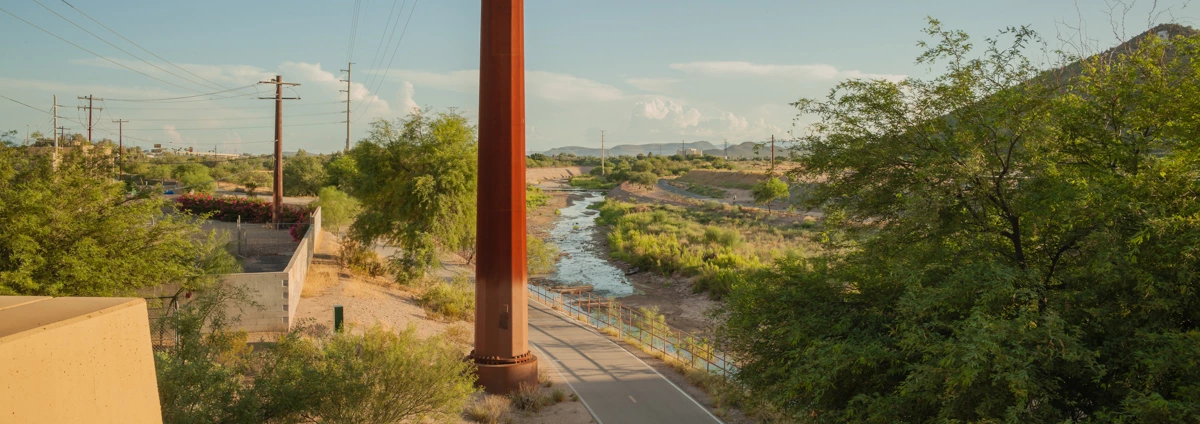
{"points": [[500, 379]]}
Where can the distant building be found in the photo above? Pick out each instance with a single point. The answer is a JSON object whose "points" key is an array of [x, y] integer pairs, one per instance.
{"points": [[689, 152], [211, 154]]}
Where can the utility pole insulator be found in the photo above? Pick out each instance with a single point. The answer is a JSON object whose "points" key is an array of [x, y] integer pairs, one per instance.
{"points": [[90, 98]]}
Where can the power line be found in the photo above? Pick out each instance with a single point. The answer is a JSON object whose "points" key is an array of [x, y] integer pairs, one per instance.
{"points": [[183, 97], [393, 59], [236, 128], [188, 109], [375, 59], [92, 52], [139, 46], [119, 48], [353, 30], [238, 119]]}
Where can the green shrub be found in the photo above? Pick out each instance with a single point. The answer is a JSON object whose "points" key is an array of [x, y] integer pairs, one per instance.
{"points": [[643, 178], [212, 375], [540, 256], [450, 301], [535, 197], [591, 182]]}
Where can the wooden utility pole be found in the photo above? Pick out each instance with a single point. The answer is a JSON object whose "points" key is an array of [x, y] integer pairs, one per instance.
{"points": [[90, 98], [52, 130], [726, 149], [120, 145], [349, 66], [277, 198], [603, 171], [682, 150]]}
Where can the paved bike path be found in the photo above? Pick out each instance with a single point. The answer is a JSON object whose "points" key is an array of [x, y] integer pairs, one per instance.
{"points": [[616, 386]]}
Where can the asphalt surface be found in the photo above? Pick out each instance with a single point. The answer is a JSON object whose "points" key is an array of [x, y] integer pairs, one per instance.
{"points": [[616, 386]]}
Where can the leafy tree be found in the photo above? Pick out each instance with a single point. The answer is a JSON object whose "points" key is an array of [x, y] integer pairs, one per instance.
{"points": [[769, 190], [303, 175], [1006, 245], [253, 180], [196, 178], [416, 181], [341, 170], [338, 209], [8, 138], [74, 232], [158, 172]]}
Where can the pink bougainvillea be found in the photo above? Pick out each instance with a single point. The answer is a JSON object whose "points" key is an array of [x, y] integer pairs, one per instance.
{"points": [[254, 211]]}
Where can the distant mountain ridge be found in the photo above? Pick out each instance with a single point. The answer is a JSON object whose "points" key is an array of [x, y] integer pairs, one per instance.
{"points": [[741, 150]]}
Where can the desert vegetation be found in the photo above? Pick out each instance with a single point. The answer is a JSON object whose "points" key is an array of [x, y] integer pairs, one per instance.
{"points": [[1007, 242], [713, 243]]}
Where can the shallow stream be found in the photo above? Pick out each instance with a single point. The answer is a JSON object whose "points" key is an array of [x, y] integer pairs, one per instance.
{"points": [[574, 233]]}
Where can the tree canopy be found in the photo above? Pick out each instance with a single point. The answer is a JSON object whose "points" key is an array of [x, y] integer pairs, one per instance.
{"points": [[416, 181], [72, 231], [1005, 244], [769, 190], [303, 175]]}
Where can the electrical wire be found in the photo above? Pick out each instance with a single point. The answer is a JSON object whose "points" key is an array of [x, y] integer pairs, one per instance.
{"points": [[92, 52], [234, 128], [123, 50], [165, 99], [371, 72], [353, 31], [139, 46], [393, 59], [239, 119]]}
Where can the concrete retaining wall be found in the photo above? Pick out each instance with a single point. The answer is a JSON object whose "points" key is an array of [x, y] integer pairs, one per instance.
{"points": [[276, 293], [537, 175]]}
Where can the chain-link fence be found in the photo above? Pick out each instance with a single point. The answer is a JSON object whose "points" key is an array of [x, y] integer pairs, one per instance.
{"points": [[162, 335], [649, 330], [268, 239]]}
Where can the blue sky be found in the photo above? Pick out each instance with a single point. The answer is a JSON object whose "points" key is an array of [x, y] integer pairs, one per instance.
{"points": [[644, 71]]}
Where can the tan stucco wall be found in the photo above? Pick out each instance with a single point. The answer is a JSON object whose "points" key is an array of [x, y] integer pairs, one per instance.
{"points": [[76, 360]]}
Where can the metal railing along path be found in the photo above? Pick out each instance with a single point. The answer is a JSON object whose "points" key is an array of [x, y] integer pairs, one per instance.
{"points": [[649, 331]]}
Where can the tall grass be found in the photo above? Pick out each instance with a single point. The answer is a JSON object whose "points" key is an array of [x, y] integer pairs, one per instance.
{"points": [[450, 301], [711, 242]]}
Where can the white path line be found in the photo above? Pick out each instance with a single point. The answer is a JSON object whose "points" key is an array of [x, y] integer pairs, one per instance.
{"points": [[685, 394], [564, 378]]}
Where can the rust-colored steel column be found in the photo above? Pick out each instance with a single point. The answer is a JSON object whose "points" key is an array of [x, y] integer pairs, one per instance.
{"points": [[501, 313]]}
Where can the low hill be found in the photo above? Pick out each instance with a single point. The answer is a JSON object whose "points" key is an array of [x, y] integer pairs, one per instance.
{"points": [[744, 150]]}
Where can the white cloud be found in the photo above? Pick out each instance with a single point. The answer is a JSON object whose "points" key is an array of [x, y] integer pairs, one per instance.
{"points": [[406, 98], [567, 88], [550, 86], [656, 85], [239, 75], [809, 72], [465, 81], [663, 120]]}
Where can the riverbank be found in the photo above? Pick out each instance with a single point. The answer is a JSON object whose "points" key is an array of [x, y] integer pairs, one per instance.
{"points": [[672, 295]]}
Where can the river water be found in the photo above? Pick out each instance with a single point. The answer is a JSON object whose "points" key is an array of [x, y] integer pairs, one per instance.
{"points": [[574, 234]]}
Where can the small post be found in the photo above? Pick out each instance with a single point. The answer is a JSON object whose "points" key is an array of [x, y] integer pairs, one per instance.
{"points": [[337, 318]]}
